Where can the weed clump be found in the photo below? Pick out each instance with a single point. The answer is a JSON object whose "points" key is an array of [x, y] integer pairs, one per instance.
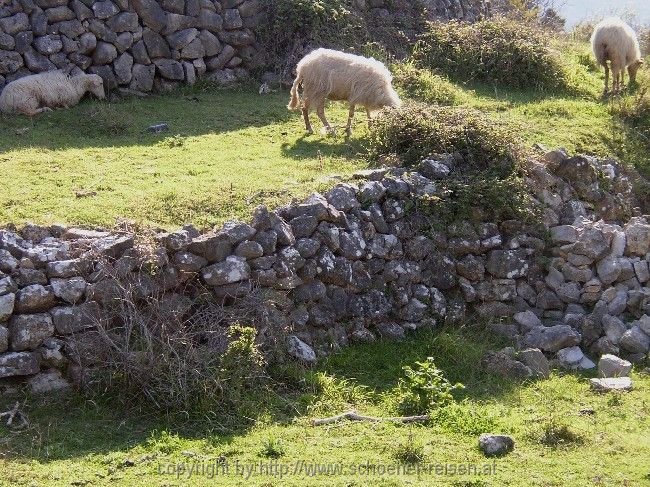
{"points": [[105, 120], [424, 387], [486, 180], [411, 452], [556, 434], [500, 51], [272, 447]]}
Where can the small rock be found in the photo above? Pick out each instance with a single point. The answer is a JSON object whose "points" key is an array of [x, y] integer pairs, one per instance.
{"points": [[570, 357], [613, 366], [611, 384], [536, 361], [300, 350], [495, 445], [47, 382], [391, 331], [158, 128], [502, 364], [635, 341], [527, 320]]}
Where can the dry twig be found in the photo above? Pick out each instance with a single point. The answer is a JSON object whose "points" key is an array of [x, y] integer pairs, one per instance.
{"points": [[353, 416], [15, 413]]}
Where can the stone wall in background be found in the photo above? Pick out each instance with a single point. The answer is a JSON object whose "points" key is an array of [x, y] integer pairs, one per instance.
{"points": [[353, 264], [132, 44], [141, 45]]}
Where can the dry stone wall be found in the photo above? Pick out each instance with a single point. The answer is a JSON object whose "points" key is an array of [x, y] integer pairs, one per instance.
{"points": [[141, 45], [353, 264], [132, 44]]}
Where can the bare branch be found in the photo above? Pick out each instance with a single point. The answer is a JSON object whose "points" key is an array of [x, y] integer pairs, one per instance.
{"points": [[353, 416]]}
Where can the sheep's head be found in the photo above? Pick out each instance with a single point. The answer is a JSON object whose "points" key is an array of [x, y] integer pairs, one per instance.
{"points": [[392, 99], [95, 84], [388, 97], [633, 68]]}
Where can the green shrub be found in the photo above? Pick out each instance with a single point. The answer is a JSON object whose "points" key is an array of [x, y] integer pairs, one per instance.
{"points": [[423, 85], [500, 51], [289, 21], [423, 388], [272, 447], [292, 26], [485, 183], [416, 131]]}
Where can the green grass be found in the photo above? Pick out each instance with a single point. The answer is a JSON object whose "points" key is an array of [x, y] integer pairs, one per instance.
{"points": [[75, 442], [226, 152]]}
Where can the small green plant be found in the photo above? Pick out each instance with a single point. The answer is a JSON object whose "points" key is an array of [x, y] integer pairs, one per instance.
{"points": [[173, 141], [272, 447], [329, 394], [424, 387], [411, 452], [242, 366], [164, 442], [614, 400]]}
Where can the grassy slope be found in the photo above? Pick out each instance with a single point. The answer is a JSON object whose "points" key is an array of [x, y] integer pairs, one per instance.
{"points": [[235, 149], [139, 176], [230, 150], [74, 441]]}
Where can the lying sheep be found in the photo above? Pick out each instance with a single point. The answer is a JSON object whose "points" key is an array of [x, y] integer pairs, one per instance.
{"points": [[332, 75], [615, 41], [41, 92]]}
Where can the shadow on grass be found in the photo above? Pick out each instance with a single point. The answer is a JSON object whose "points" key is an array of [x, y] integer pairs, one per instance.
{"points": [[189, 111], [338, 147], [69, 426], [457, 351]]}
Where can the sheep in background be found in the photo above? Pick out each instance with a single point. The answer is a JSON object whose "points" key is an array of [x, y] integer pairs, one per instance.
{"points": [[332, 75], [41, 92], [615, 41]]}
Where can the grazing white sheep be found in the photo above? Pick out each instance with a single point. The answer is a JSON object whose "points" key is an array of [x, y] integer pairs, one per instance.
{"points": [[615, 41], [41, 92], [332, 75]]}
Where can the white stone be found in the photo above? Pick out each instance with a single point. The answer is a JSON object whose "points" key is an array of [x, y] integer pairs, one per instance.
{"points": [[612, 366], [300, 350], [611, 384], [570, 357]]}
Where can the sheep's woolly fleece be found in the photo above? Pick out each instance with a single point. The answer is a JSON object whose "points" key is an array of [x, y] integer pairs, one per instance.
{"points": [[39, 92], [327, 74]]}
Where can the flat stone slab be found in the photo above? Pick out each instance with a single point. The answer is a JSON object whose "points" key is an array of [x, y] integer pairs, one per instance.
{"points": [[611, 384]]}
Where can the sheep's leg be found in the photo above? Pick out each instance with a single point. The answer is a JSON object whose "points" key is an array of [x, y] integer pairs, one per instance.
{"points": [[35, 111], [369, 117], [606, 78], [321, 114], [622, 80], [348, 129], [305, 115]]}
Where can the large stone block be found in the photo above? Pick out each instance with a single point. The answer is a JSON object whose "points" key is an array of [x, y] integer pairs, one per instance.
{"points": [[19, 363], [27, 332]]}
